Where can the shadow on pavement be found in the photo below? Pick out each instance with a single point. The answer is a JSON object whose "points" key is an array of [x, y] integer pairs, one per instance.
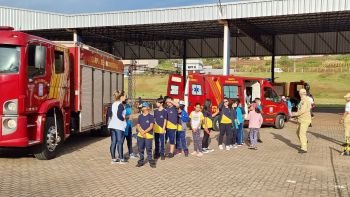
{"points": [[78, 141], [285, 140], [318, 135]]}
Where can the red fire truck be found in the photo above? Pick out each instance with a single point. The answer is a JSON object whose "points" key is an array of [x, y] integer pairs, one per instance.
{"points": [[201, 88], [50, 90]]}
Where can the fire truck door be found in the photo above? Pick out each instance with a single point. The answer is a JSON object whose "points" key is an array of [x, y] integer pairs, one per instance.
{"points": [[270, 102], [38, 75], [59, 87]]}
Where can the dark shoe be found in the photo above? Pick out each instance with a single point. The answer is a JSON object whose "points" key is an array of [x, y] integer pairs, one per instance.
{"points": [[260, 141], [178, 151], [186, 153], [152, 164], [156, 156], [162, 157], [170, 155], [345, 144], [139, 165], [302, 151]]}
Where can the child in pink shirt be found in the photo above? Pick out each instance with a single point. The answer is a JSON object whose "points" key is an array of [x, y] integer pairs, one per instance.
{"points": [[255, 121]]}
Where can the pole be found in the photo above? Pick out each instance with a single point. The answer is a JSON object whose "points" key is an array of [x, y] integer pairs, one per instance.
{"points": [[273, 60], [184, 65], [227, 50]]}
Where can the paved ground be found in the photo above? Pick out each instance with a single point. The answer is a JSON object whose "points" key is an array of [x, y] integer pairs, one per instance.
{"points": [[276, 169]]}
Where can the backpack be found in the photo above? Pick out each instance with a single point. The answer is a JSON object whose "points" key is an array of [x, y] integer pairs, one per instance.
{"points": [[184, 116]]}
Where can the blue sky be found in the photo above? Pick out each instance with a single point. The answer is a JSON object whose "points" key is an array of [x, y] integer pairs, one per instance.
{"points": [[82, 6]]}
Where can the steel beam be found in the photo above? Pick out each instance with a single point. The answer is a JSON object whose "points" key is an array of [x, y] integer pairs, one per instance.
{"points": [[227, 49]]}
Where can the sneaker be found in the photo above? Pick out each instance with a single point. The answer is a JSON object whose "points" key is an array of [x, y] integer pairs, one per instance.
{"points": [[178, 152], [205, 151], [250, 147], [186, 153], [170, 155], [153, 165], [194, 153], [210, 150], [132, 156], [139, 165], [228, 148], [260, 141], [221, 147], [114, 161], [234, 146], [302, 151], [156, 156], [122, 161], [162, 157], [199, 154], [239, 145]]}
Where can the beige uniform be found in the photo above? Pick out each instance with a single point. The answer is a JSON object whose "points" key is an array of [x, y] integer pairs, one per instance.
{"points": [[304, 120], [347, 120]]}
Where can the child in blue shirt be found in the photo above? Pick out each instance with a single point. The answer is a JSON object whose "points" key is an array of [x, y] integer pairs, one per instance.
{"points": [[181, 131], [128, 129], [145, 136], [240, 121]]}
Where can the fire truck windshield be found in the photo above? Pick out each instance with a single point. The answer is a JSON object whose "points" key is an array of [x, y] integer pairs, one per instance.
{"points": [[9, 59]]}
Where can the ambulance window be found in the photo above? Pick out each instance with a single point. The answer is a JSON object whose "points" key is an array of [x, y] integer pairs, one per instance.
{"points": [[196, 89], [174, 90], [36, 60], [230, 91], [271, 95], [59, 62]]}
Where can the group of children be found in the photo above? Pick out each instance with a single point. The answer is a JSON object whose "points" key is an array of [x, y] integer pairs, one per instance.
{"points": [[169, 124]]}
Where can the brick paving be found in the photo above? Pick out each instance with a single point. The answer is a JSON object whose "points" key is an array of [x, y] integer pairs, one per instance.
{"points": [[83, 169]]}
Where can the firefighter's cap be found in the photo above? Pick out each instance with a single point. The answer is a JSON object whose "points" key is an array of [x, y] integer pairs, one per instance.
{"points": [[347, 95], [302, 91]]}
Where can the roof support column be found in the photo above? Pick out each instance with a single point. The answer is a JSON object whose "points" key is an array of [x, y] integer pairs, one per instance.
{"points": [[76, 37], [273, 60], [184, 65], [227, 49]]}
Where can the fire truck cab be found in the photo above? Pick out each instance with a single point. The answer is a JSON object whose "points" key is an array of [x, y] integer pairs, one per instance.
{"points": [[214, 88]]}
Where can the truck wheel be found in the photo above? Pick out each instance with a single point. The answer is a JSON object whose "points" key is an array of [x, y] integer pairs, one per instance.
{"points": [[280, 121], [216, 124], [48, 149]]}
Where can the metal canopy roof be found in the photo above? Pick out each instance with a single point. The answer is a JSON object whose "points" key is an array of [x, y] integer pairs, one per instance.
{"points": [[299, 27]]}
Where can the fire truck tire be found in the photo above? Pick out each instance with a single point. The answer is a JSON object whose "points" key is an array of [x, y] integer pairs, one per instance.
{"points": [[48, 149], [216, 123], [280, 121]]}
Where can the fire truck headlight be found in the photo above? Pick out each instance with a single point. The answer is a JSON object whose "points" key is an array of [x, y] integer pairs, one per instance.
{"points": [[9, 125], [11, 107]]}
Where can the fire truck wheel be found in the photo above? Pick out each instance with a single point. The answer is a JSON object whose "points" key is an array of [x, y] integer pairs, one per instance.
{"points": [[48, 149], [280, 121], [216, 124]]}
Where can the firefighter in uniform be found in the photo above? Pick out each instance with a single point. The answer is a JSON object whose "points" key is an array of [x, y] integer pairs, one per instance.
{"points": [[346, 121], [303, 116]]}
